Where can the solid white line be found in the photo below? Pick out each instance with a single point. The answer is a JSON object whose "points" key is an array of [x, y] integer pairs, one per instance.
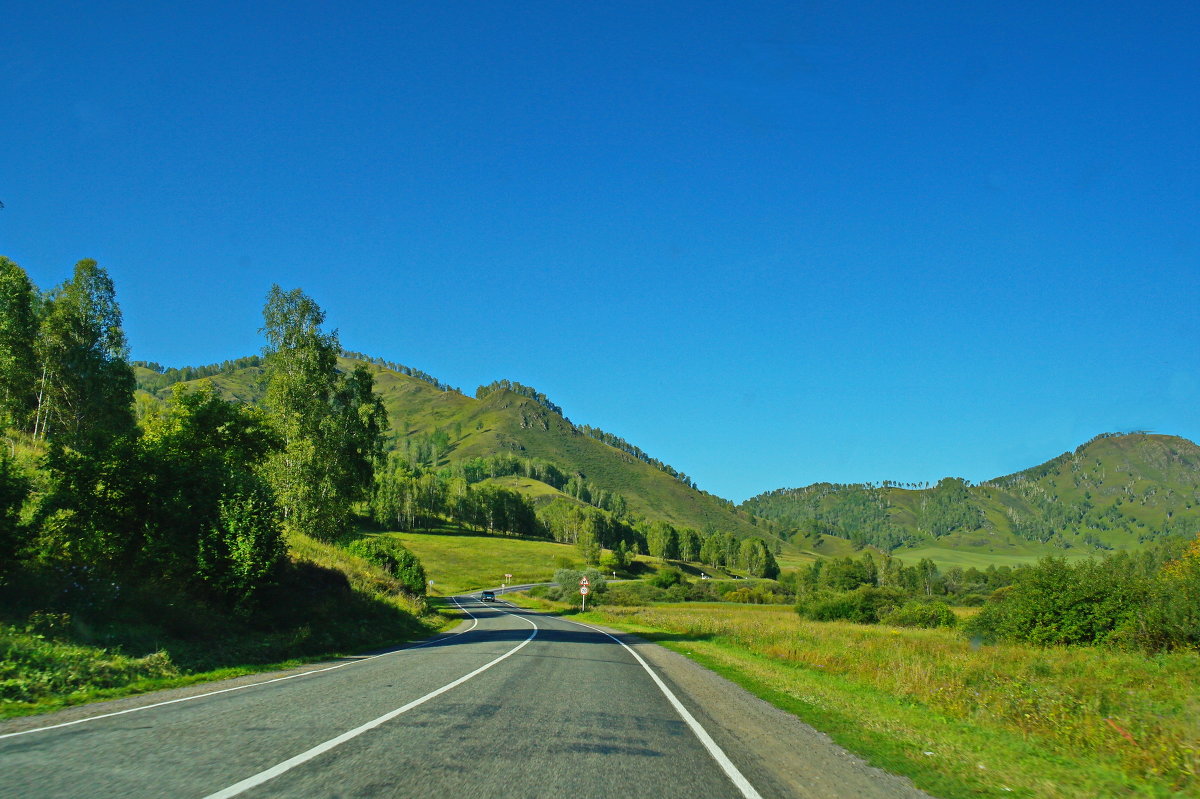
{"points": [[717, 753], [474, 623], [303, 757]]}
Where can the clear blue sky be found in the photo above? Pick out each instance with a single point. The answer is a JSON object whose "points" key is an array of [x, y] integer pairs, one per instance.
{"points": [[770, 243]]}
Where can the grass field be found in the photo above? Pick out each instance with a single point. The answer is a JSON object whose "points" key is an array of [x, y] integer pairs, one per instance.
{"points": [[961, 720], [458, 561]]}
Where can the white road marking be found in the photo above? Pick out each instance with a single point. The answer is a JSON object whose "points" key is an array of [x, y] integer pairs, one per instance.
{"points": [[717, 753], [474, 624], [304, 757]]}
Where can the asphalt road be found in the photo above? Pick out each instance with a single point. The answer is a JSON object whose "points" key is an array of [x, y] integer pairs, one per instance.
{"points": [[511, 704]]}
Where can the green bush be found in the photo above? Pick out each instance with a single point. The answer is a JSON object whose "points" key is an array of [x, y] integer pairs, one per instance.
{"points": [[1055, 602], [920, 614], [863, 605], [395, 558], [1171, 616], [668, 577]]}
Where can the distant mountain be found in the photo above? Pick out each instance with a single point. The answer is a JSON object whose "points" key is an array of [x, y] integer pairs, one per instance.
{"points": [[1113, 492], [435, 423]]}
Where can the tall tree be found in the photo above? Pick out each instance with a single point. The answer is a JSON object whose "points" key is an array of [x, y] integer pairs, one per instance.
{"points": [[331, 424], [18, 331], [85, 388]]}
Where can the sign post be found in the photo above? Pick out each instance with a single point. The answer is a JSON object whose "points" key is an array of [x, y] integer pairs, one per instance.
{"points": [[583, 592]]}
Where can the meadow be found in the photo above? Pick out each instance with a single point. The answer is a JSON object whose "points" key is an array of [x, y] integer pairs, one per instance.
{"points": [[961, 719], [458, 561]]}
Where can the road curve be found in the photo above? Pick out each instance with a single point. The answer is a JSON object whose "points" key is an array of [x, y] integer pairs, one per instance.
{"points": [[512, 704]]}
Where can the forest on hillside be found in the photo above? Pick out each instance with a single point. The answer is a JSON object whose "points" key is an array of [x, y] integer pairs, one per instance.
{"points": [[1112, 492]]}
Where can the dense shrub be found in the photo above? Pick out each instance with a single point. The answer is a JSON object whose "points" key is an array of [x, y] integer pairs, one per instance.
{"points": [[1171, 616], [668, 577], [864, 604], [566, 587], [755, 595], [395, 558], [1058, 602], [920, 614]]}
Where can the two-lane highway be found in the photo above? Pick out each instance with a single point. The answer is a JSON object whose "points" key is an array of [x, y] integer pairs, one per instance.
{"points": [[513, 703]]}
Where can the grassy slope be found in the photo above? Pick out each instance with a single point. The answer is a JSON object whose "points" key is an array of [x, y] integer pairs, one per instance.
{"points": [[962, 721], [1148, 482], [459, 561], [506, 422]]}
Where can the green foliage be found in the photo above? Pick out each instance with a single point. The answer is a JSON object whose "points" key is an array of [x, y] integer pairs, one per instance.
{"points": [[154, 378], [635, 593], [665, 578], [757, 594], [1057, 602], [85, 387], [864, 605], [395, 558], [947, 507], [662, 541], [1114, 492], [213, 520], [331, 424], [34, 665], [756, 558], [859, 512], [566, 588], [14, 489], [240, 554], [517, 388], [920, 614], [18, 332]]}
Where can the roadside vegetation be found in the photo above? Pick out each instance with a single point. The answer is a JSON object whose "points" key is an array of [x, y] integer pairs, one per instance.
{"points": [[1060, 679], [961, 719], [144, 540]]}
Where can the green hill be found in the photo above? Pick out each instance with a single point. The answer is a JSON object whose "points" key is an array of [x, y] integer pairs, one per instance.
{"points": [[1113, 492], [441, 426]]}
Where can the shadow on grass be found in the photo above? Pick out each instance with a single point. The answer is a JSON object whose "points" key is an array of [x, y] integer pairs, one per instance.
{"points": [[311, 613]]}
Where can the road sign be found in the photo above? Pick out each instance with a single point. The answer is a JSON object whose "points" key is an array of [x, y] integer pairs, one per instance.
{"points": [[584, 581], [583, 589]]}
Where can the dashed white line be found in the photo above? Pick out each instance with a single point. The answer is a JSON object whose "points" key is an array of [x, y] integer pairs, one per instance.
{"points": [[304, 757]]}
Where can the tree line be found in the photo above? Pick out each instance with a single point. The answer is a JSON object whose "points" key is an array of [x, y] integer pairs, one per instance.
{"points": [[409, 496], [424, 377], [616, 442], [165, 377], [197, 495]]}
